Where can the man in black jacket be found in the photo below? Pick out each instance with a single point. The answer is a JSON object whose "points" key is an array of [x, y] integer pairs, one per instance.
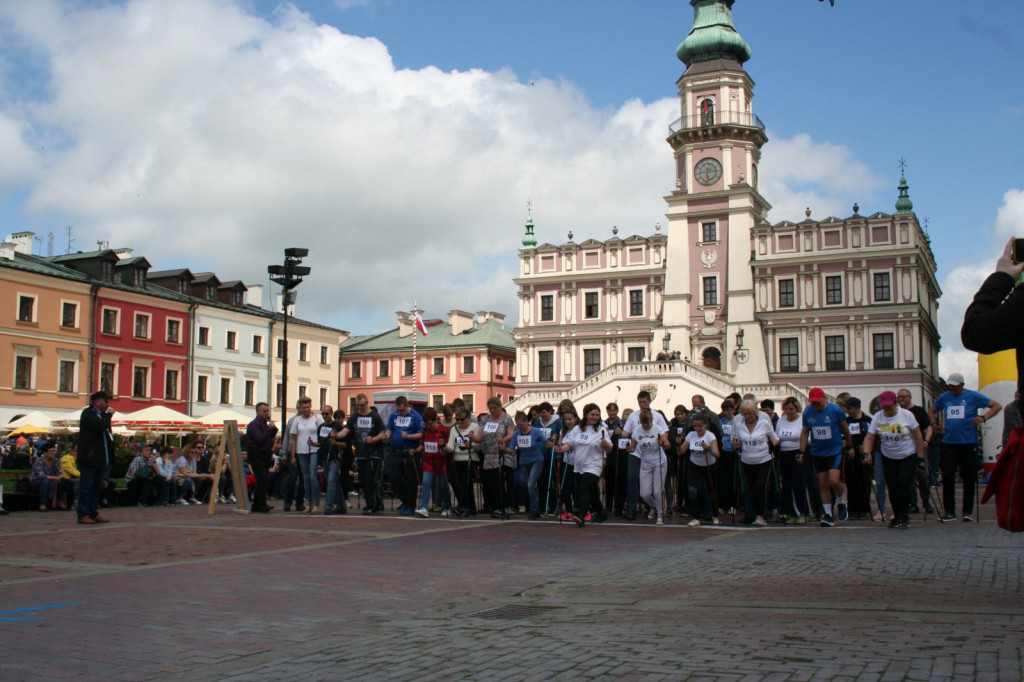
{"points": [[259, 443], [995, 319], [95, 453]]}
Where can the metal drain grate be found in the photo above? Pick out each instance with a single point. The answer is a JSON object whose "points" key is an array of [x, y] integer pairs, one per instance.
{"points": [[513, 612]]}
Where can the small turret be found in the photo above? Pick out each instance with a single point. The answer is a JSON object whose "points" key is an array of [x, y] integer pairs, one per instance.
{"points": [[713, 35], [529, 241]]}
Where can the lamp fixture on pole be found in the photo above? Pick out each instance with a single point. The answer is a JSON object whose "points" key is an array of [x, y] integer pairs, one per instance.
{"points": [[666, 341], [289, 275], [741, 353]]}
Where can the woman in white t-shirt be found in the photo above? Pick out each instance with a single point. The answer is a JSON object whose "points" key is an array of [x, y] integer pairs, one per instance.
{"points": [[305, 443], [589, 442], [899, 436], [755, 437], [646, 443], [793, 497], [702, 446]]}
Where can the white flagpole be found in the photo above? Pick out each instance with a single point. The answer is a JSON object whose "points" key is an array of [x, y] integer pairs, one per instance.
{"points": [[415, 333]]}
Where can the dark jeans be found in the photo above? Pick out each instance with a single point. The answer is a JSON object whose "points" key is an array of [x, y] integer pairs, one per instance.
{"points": [[143, 488], [698, 489], [899, 478], [632, 484], [404, 477], [259, 460], [90, 488], [728, 483], [370, 469], [294, 487], [959, 456]]}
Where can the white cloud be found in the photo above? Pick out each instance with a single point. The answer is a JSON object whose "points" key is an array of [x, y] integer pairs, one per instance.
{"points": [[799, 173], [206, 137]]}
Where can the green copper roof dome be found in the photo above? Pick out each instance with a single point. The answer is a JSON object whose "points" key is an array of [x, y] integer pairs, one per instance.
{"points": [[529, 241], [903, 203], [713, 36]]}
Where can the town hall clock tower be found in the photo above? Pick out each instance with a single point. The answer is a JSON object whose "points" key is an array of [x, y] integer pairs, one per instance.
{"points": [[709, 301]]}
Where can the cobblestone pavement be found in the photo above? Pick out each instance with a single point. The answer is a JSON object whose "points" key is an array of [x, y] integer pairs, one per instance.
{"points": [[175, 594]]}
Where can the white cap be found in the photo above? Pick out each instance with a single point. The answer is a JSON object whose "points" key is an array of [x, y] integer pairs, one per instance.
{"points": [[955, 379]]}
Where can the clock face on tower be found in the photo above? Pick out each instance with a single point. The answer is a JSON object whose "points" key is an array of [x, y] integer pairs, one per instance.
{"points": [[708, 171]]}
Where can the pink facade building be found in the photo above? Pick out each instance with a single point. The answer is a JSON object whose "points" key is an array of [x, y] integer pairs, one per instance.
{"points": [[466, 356]]}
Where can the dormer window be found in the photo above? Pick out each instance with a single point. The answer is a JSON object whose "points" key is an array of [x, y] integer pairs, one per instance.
{"points": [[183, 286], [140, 277], [106, 271], [236, 299], [211, 292]]}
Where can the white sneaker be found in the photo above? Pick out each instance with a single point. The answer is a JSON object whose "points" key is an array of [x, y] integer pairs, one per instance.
{"points": [[222, 500], [234, 499], [422, 513], [716, 521], [659, 522], [182, 502], [446, 513], [760, 522], [694, 523]]}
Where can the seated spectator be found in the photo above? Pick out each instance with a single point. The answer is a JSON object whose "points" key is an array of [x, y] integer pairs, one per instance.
{"points": [[46, 479], [142, 477], [193, 485], [164, 464], [69, 472]]}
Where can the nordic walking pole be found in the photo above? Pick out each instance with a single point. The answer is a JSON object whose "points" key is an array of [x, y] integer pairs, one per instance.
{"points": [[551, 470]]}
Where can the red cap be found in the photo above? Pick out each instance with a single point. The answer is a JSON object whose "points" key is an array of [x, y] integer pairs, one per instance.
{"points": [[816, 394], [887, 398]]}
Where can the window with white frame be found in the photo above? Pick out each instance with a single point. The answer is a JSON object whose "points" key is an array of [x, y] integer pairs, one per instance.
{"points": [[709, 231], [27, 307], [69, 314], [110, 321], [140, 382], [225, 391], [142, 325], [170, 384], [710, 293], [231, 340], [173, 330], [636, 302], [24, 372], [591, 305], [67, 372], [325, 356]]}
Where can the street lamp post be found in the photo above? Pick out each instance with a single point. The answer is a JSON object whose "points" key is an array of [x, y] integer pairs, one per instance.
{"points": [[288, 276]]}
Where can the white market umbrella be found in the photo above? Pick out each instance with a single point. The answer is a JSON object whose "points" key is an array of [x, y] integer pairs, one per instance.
{"points": [[157, 419], [36, 419]]}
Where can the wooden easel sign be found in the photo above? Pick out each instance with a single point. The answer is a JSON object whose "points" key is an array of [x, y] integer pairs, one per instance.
{"points": [[231, 446]]}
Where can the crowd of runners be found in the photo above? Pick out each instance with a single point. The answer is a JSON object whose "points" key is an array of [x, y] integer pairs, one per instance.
{"points": [[750, 462]]}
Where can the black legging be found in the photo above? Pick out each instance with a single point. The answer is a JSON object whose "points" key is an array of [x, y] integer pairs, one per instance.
{"points": [[899, 477], [590, 496], [756, 477]]}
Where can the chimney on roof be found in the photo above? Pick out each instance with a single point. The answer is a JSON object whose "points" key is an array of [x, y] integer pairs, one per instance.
{"points": [[497, 317], [22, 241], [7, 251], [460, 321], [254, 295], [404, 323], [481, 316], [123, 253]]}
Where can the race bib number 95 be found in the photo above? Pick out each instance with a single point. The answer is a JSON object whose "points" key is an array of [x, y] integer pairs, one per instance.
{"points": [[955, 412]]}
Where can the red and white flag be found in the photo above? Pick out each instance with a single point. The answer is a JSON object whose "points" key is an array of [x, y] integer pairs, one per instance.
{"points": [[418, 321]]}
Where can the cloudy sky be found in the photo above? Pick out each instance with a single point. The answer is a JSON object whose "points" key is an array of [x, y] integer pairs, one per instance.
{"points": [[400, 140]]}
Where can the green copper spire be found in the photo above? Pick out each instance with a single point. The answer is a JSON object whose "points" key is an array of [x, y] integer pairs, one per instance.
{"points": [[903, 203], [713, 36], [529, 241]]}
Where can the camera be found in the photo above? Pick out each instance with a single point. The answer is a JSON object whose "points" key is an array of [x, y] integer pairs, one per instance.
{"points": [[1018, 250]]}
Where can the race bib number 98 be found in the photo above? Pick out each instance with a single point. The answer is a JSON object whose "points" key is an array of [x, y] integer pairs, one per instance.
{"points": [[822, 432]]}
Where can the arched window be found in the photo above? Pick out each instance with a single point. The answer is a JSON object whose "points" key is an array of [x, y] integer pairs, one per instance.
{"points": [[712, 358], [707, 112]]}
